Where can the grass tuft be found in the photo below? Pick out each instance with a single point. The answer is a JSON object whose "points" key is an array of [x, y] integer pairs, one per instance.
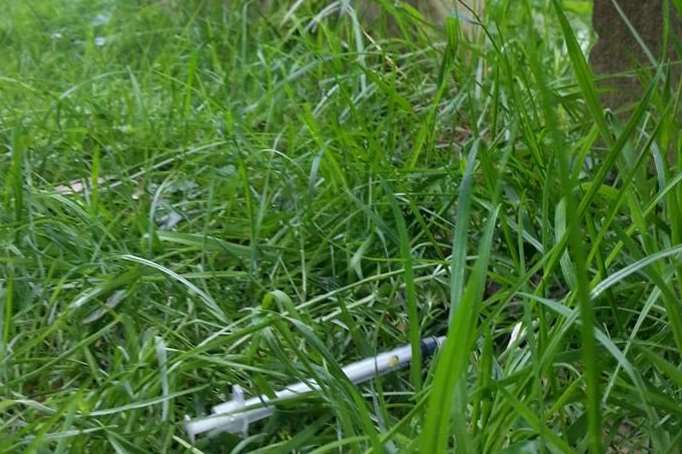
{"points": [[199, 194]]}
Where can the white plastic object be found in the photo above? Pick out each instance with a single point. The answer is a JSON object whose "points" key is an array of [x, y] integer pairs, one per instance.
{"points": [[235, 415]]}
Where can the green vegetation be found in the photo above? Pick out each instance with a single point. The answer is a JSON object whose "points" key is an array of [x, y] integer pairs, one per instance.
{"points": [[195, 195]]}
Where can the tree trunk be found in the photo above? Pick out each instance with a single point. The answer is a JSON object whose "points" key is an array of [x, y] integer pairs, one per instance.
{"points": [[618, 51]]}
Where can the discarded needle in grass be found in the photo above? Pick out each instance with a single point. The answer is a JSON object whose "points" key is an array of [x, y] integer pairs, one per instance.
{"points": [[235, 415]]}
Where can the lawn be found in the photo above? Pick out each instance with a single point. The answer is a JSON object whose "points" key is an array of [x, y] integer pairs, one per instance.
{"points": [[195, 195]]}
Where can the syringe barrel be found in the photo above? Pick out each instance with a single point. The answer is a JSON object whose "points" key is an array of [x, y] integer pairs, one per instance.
{"points": [[357, 372], [235, 415]]}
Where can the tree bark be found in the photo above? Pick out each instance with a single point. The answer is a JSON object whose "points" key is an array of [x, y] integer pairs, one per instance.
{"points": [[617, 52]]}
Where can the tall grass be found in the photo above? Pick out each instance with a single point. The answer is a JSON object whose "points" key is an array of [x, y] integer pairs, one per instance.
{"points": [[196, 194]]}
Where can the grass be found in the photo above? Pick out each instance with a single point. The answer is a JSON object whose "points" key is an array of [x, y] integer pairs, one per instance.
{"points": [[195, 195]]}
